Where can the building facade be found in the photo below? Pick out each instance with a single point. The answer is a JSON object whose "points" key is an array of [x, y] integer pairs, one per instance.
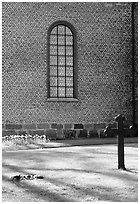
{"points": [[68, 65]]}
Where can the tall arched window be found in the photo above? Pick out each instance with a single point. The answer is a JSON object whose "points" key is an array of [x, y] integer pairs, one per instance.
{"points": [[61, 60]]}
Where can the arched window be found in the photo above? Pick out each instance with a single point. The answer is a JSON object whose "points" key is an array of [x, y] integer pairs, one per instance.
{"points": [[61, 60]]}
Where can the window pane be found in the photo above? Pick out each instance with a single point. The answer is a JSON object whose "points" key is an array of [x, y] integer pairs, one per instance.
{"points": [[53, 50], [53, 81], [69, 50], [69, 92], [53, 60], [69, 71], [69, 40], [61, 60], [61, 81], [61, 92], [53, 92], [61, 50], [61, 71], [69, 81], [61, 40], [69, 61], [53, 70], [68, 31], [53, 39], [54, 30], [61, 30]]}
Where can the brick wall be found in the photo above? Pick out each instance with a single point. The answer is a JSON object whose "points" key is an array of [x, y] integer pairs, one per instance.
{"points": [[104, 62]]}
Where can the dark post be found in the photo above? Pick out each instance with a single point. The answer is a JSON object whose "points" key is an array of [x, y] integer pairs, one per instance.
{"points": [[133, 63], [119, 119]]}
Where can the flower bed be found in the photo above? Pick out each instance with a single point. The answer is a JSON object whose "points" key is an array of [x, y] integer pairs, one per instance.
{"points": [[24, 139]]}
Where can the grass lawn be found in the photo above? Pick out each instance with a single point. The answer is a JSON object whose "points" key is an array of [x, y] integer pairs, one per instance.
{"points": [[71, 174]]}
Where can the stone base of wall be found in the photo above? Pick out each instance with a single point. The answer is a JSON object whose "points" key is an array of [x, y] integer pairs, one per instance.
{"points": [[60, 131]]}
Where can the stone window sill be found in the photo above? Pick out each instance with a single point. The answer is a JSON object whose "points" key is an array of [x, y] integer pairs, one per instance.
{"points": [[62, 99]]}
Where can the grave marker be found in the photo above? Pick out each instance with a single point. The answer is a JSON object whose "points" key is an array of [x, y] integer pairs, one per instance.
{"points": [[119, 131]]}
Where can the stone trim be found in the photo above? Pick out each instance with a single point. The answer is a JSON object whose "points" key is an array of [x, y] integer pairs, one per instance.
{"points": [[13, 126], [8, 133], [68, 126], [62, 100], [37, 132], [99, 125], [56, 126], [29, 126], [58, 131], [43, 126], [78, 126], [88, 126]]}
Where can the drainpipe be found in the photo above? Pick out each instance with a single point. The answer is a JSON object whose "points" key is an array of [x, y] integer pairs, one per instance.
{"points": [[133, 66]]}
